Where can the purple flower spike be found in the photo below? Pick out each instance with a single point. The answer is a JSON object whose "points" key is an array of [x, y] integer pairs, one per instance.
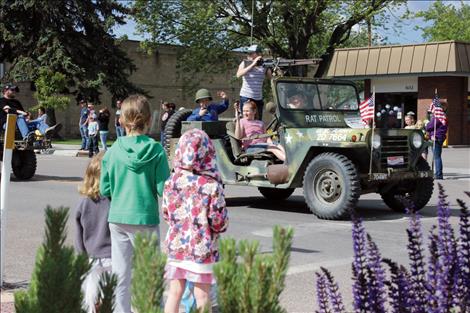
{"points": [[359, 268], [446, 253], [433, 268], [333, 292], [376, 280], [399, 288], [417, 263], [463, 256], [322, 294]]}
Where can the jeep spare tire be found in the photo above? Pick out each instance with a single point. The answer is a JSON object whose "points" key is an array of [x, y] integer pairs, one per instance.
{"points": [[331, 186], [173, 127], [418, 191], [23, 164]]}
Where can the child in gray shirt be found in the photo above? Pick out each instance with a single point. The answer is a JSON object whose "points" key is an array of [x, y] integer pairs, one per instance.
{"points": [[92, 231]]}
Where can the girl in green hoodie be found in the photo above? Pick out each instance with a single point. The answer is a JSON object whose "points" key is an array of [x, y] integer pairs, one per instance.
{"points": [[133, 174]]}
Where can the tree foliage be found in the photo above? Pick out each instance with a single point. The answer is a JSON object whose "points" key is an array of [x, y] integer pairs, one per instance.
{"points": [[58, 273], [70, 37], [49, 86], [211, 30], [449, 21]]}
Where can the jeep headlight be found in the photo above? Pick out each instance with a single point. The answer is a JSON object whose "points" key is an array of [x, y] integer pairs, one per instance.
{"points": [[376, 141], [417, 140]]}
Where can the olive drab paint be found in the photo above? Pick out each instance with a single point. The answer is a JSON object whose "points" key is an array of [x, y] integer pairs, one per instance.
{"points": [[325, 131]]}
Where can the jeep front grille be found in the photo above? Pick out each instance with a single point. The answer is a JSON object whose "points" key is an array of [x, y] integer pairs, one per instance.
{"points": [[393, 146]]}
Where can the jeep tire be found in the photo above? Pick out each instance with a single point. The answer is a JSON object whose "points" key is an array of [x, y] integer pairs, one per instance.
{"points": [[23, 164], [173, 127], [331, 186], [276, 193], [418, 191]]}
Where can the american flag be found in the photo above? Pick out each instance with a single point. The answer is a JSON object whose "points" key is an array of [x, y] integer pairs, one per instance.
{"points": [[367, 109], [437, 111]]}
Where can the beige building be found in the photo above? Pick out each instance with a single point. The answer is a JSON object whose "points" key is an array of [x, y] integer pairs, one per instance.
{"points": [[408, 75], [156, 74]]}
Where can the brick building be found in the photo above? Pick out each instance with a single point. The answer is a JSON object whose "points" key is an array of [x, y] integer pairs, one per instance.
{"points": [[408, 75], [155, 73]]}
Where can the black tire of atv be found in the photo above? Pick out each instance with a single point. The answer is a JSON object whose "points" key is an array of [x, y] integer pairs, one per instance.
{"points": [[331, 186], [23, 164], [420, 196], [276, 193], [173, 127]]}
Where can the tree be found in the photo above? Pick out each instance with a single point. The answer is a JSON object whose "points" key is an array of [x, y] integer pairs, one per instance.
{"points": [[70, 37], [445, 21], [211, 30]]}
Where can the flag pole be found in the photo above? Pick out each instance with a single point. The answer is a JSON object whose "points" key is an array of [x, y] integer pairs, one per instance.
{"points": [[372, 133], [434, 135]]}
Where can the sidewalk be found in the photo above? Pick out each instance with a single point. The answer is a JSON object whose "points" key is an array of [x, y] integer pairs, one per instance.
{"points": [[7, 304]]}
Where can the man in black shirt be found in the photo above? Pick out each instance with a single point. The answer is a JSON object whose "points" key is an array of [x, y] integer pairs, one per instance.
{"points": [[10, 105]]}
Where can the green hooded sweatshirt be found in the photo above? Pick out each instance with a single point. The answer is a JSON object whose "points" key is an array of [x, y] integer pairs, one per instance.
{"points": [[133, 174]]}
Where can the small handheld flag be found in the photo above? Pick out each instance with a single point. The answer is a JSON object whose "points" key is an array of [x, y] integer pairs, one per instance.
{"points": [[437, 110]]}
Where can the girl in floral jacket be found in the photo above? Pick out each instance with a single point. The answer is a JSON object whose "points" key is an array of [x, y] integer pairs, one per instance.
{"points": [[194, 207]]}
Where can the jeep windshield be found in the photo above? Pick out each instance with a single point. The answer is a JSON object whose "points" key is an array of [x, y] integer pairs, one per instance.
{"points": [[307, 96]]}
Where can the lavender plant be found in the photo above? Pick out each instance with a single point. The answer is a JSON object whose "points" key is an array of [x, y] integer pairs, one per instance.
{"points": [[440, 283]]}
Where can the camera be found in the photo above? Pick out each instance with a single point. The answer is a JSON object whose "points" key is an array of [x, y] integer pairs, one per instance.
{"points": [[260, 62]]}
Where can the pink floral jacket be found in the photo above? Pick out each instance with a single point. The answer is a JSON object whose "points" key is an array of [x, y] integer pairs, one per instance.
{"points": [[193, 201]]}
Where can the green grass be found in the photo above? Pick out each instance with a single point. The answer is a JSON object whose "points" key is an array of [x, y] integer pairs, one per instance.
{"points": [[78, 142]]}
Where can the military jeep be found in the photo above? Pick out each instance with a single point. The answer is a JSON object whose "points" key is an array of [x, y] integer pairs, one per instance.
{"points": [[23, 160], [329, 152]]}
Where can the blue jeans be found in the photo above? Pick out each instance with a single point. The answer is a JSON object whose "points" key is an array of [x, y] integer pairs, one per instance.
{"points": [[93, 145], [103, 137], [120, 131], [22, 126], [259, 106], [438, 159], [84, 135], [39, 125]]}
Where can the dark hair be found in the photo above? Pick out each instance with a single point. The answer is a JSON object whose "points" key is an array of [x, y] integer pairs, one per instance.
{"points": [[42, 109], [171, 105]]}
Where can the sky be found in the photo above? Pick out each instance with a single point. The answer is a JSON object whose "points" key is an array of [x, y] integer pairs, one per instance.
{"points": [[407, 34]]}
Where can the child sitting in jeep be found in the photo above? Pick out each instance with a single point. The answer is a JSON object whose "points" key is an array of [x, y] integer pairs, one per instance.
{"points": [[208, 112], [249, 126]]}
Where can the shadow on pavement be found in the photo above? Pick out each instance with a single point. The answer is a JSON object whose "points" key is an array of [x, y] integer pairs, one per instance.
{"points": [[65, 179], [367, 209]]}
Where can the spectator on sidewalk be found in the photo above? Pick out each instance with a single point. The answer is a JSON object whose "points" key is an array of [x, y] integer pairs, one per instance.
{"points": [[93, 129], [133, 174], [92, 235], [410, 120], [168, 109], [103, 122], [200, 216], [120, 131], [437, 130], [83, 124]]}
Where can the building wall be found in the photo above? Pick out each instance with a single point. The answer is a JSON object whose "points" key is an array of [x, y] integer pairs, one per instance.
{"points": [[455, 90], [156, 74]]}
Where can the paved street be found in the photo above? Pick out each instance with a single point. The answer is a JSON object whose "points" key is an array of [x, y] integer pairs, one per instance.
{"points": [[317, 242]]}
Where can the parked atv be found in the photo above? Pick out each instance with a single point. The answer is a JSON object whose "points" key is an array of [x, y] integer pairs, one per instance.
{"points": [[329, 152], [23, 162]]}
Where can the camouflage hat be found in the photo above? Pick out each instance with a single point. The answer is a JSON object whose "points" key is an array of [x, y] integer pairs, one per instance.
{"points": [[203, 94]]}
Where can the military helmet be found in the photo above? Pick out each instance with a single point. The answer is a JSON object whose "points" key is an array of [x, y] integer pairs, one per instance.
{"points": [[203, 94]]}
